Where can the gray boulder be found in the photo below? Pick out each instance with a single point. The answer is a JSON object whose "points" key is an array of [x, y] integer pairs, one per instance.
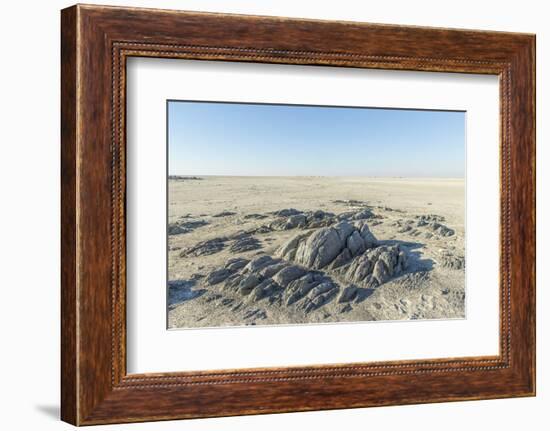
{"points": [[355, 243], [270, 270], [441, 229], [263, 290], [363, 215], [245, 243], [300, 287], [369, 239], [329, 247], [348, 294], [248, 283], [204, 248], [236, 263], [258, 263], [217, 276], [452, 261], [224, 214], [343, 258], [375, 266], [381, 272], [322, 247], [288, 250], [288, 274], [319, 296], [287, 212], [182, 226], [296, 220]]}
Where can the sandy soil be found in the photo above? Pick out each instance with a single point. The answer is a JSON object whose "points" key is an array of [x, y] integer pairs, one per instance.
{"points": [[414, 266]]}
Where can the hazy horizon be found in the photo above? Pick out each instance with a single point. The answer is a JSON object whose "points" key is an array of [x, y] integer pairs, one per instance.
{"points": [[266, 140], [198, 175]]}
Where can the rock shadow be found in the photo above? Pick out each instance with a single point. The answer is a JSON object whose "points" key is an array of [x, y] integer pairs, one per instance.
{"points": [[180, 291], [416, 261], [363, 293]]}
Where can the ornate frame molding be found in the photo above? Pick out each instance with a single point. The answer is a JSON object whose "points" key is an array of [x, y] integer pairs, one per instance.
{"points": [[96, 41]]}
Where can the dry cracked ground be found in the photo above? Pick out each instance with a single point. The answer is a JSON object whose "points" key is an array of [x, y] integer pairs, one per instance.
{"points": [[264, 251]]}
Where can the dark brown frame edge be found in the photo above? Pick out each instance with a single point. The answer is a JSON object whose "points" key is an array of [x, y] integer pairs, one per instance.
{"points": [[95, 43]]}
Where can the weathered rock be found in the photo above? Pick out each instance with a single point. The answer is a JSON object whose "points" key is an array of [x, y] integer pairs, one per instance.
{"points": [[232, 282], [322, 247], [258, 263], [236, 263], [346, 308], [319, 296], [309, 268], [296, 220], [355, 243], [350, 202], [330, 247], [263, 290], [441, 229], [319, 248], [255, 314], [347, 215], [452, 261], [245, 243], [376, 266], [426, 219], [212, 297], [205, 247], [320, 214], [368, 238], [344, 230], [360, 269], [255, 216], [343, 258], [291, 218], [224, 214], [363, 215], [381, 272], [288, 250], [319, 218], [181, 226], [348, 294], [300, 287], [292, 222], [248, 283], [287, 212], [270, 270], [238, 306], [288, 274], [262, 229], [218, 276], [321, 289], [227, 301]]}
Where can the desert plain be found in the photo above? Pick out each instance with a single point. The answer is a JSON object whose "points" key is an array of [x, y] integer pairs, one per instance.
{"points": [[310, 250]]}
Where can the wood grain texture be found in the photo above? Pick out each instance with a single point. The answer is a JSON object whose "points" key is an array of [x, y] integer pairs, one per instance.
{"points": [[69, 397], [96, 41]]}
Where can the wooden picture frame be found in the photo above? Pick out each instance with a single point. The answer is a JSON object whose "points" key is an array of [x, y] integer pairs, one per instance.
{"points": [[95, 43]]}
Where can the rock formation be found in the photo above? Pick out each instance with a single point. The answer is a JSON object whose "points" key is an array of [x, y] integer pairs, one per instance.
{"points": [[308, 270]]}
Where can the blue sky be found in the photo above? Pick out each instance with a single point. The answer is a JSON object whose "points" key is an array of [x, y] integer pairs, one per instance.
{"points": [[271, 140]]}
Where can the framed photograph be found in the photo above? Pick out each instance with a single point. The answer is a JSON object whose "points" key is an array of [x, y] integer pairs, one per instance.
{"points": [[264, 215]]}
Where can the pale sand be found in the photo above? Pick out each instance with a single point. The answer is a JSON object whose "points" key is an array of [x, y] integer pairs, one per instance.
{"points": [[425, 290]]}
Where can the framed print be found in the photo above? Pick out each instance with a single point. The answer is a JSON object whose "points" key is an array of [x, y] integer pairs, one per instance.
{"points": [[321, 214]]}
